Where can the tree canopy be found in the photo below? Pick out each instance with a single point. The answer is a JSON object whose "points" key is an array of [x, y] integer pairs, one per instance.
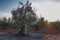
{"points": [[24, 16]]}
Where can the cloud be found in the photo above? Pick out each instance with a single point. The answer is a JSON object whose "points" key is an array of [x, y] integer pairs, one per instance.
{"points": [[4, 14], [58, 1], [45, 0], [49, 10]]}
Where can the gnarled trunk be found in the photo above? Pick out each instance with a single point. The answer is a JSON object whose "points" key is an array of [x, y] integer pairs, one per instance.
{"points": [[26, 29], [20, 32]]}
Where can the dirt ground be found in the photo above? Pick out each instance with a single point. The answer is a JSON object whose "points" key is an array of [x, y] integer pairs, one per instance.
{"points": [[51, 37], [50, 31], [50, 34], [5, 31]]}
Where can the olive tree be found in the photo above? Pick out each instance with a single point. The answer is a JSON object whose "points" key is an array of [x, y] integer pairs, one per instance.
{"points": [[23, 16]]}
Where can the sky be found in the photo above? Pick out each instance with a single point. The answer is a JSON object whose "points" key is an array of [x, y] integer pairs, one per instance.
{"points": [[49, 9]]}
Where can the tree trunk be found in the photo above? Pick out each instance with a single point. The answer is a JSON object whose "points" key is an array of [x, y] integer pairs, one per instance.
{"points": [[26, 27], [20, 33], [23, 31]]}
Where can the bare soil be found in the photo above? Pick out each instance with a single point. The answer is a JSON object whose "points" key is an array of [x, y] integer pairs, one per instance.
{"points": [[50, 31], [51, 37], [5, 31]]}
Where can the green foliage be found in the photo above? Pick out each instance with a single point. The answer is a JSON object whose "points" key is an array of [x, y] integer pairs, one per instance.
{"points": [[56, 25], [39, 24], [23, 16], [5, 23]]}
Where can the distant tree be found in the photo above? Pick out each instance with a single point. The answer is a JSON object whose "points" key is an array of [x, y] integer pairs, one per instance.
{"points": [[39, 24], [3, 23], [56, 24], [4, 19], [23, 16], [10, 22], [46, 24], [0, 22]]}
